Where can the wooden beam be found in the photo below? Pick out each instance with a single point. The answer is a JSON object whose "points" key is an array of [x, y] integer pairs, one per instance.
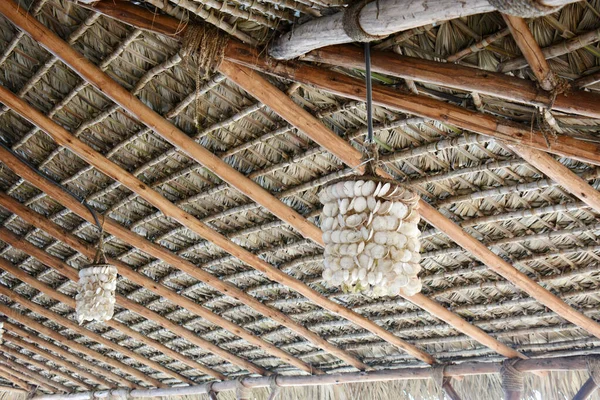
{"points": [[531, 51], [155, 250], [71, 344], [381, 18], [67, 323], [14, 380], [396, 99], [25, 373], [449, 390], [586, 391], [70, 302], [129, 102], [560, 174], [54, 371], [76, 363], [124, 270], [444, 74], [169, 209], [73, 370], [457, 77]]}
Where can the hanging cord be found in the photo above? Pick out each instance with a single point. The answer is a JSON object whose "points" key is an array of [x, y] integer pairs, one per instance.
{"points": [[372, 150], [55, 183]]}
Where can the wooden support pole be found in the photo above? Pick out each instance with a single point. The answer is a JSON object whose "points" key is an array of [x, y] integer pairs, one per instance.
{"points": [[76, 363], [64, 299], [169, 209], [15, 381], [41, 310], [25, 373], [531, 51], [449, 390], [586, 391], [73, 345], [443, 74], [129, 102], [30, 360]]}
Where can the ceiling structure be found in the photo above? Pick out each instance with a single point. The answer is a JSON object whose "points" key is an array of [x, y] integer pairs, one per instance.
{"points": [[208, 187]]}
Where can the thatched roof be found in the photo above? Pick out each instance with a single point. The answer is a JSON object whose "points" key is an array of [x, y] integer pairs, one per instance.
{"points": [[519, 213]]}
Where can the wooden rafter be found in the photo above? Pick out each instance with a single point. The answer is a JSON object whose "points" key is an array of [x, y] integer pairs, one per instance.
{"points": [[54, 371], [68, 360], [432, 306], [70, 302], [111, 169], [73, 345], [15, 380], [33, 376]]}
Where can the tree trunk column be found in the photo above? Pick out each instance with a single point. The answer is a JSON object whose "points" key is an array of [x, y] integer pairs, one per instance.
{"points": [[590, 386], [513, 382]]}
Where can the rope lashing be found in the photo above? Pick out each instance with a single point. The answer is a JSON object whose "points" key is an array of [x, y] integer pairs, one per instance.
{"points": [[274, 386], [437, 375], [209, 390], [242, 392], [593, 366], [351, 23], [512, 379], [523, 8]]}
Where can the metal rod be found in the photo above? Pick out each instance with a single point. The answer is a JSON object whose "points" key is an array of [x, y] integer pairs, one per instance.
{"points": [[370, 138]]}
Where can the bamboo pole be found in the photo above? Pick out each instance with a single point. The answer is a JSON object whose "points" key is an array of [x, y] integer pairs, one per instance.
{"points": [[73, 345], [77, 365], [458, 370], [43, 366], [41, 310], [121, 96], [14, 380], [531, 51], [70, 302], [444, 74], [24, 373]]}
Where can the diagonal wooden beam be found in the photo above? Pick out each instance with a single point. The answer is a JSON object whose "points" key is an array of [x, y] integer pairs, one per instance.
{"points": [[169, 209], [586, 391], [25, 373], [73, 345], [44, 348], [54, 371], [52, 316], [14, 380], [121, 96], [70, 272], [531, 51], [272, 97], [70, 302]]}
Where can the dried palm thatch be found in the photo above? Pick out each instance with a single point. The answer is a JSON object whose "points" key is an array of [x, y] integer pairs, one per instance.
{"points": [[508, 205]]}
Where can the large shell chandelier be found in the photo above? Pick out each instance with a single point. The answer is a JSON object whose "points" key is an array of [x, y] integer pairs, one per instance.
{"points": [[96, 288], [370, 228]]}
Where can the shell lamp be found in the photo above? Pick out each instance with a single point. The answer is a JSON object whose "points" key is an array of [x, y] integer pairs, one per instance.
{"points": [[371, 235]]}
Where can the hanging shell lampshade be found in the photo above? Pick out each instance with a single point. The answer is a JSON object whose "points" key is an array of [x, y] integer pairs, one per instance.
{"points": [[1, 331], [371, 235], [96, 289]]}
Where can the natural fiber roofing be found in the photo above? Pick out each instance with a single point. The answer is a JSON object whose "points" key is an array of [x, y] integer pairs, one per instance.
{"points": [[501, 200]]}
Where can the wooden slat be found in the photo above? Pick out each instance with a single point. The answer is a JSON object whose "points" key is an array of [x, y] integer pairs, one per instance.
{"points": [[98, 78], [56, 318], [14, 380], [25, 373], [76, 363], [70, 302], [586, 391], [54, 371], [73, 370], [169, 209], [71, 344]]}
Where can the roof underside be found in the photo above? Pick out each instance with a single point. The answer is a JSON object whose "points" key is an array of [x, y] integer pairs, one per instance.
{"points": [[497, 197]]}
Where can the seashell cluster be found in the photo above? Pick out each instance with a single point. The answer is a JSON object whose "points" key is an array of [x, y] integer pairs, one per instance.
{"points": [[371, 235], [1, 331], [96, 293]]}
